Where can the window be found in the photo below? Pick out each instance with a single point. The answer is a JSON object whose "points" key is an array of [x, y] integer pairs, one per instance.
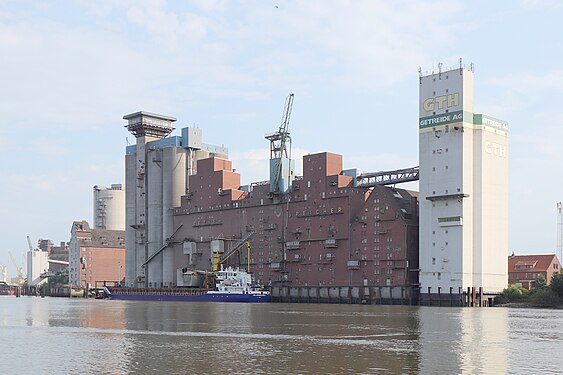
{"points": [[433, 260]]}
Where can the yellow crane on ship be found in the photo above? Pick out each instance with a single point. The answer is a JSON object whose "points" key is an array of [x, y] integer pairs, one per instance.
{"points": [[219, 259]]}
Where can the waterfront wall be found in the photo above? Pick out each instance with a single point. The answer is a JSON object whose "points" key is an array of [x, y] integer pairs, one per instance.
{"points": [[383, 295], [378, 295]]}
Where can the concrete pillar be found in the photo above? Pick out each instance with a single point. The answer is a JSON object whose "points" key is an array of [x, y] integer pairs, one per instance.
{"points": [[154, 217]]}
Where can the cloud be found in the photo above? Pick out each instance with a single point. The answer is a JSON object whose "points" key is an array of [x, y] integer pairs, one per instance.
{"points": [[254, 164], [525, 82]]}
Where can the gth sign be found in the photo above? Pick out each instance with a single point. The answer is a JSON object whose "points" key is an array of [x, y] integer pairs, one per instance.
{"points": [[441, 102]]}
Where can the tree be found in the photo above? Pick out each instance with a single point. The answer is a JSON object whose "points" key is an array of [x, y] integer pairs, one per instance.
{"points": [[557, 283], [513, 293], [60, 278], [539, 283], [544, 298]]}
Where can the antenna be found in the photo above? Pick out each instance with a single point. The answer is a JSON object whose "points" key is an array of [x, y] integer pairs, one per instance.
{"points": [[440, 70], [420, 75], [460, 66], [560, 230]]}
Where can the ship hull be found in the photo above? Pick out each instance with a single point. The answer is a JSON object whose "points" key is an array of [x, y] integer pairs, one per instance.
{"points": [[203, 297]]}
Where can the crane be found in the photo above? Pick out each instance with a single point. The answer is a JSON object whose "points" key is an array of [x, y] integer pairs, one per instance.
{"points": [[4, 272], [19, 270], [218, 259], [280, 144]]}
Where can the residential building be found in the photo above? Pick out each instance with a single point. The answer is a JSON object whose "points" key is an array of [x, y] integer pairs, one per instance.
{"points": [[523, 270]]}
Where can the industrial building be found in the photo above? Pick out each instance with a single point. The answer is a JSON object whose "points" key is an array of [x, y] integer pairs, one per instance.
{"points": [[37, 265], [186, 211], [463, 191], [95, 255], [109, 207], [58, 255], [157, 175], [325, 231]]}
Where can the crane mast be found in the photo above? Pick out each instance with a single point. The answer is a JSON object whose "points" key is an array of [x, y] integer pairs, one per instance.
{"points": [[280, 147]]}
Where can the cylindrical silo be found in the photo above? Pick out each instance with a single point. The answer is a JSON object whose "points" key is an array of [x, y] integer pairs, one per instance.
{"points": [[109, 207], [154, 217], [174, 186]]}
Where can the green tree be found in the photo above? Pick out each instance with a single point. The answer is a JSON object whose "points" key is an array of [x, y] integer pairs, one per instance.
{"points": [[60, 278], [513, 293], [539, 283], [557, 283], [544, 298]]}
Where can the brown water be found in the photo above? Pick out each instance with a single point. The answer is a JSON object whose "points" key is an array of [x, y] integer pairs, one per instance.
{"points": [[69, 336]]}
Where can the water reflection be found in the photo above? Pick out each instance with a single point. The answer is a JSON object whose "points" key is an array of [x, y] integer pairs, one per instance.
{"points": [[458, 341], [87, 336]]}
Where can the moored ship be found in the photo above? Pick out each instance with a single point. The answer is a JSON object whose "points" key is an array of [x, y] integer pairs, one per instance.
{"points": [[5, 289], [232, 285]]}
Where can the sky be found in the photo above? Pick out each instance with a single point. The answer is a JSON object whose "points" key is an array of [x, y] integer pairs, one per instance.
{"points": [[70, 70]]}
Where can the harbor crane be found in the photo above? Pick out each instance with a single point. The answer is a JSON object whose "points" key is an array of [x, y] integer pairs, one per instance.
{"points": [[4, 272], [218, 259], [19, 270], [280, 145]]}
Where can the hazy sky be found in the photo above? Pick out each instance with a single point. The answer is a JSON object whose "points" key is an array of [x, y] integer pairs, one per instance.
{"points": [[70, 70]]}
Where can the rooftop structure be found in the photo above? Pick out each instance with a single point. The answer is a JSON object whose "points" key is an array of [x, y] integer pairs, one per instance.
{"points": [[146, 124]]}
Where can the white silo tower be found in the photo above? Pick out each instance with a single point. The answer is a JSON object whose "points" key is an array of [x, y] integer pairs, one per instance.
{"points": [[109, 207]]}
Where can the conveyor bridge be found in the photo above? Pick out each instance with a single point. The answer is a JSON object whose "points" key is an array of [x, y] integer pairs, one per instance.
{"points": [[388, 177]]}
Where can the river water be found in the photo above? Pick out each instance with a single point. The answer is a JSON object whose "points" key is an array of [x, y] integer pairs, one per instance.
{"points": [[80, 336]]}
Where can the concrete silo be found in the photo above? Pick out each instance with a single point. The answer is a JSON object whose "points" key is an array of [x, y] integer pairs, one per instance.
{"points": [[157, 170], [109, 207]]}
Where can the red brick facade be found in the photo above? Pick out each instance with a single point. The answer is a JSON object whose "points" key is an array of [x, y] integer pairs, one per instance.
{"points": [[325, 232], [95, 255]]}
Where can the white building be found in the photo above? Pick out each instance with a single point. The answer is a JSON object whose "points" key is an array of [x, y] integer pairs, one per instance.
{"points": [[157, 170], [109, 207], [463, 190], [37, 264]]}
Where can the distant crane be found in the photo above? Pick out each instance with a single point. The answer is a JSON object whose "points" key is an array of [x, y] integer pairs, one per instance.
{"points": [[4, 271], [280, 144], [19, 270]]}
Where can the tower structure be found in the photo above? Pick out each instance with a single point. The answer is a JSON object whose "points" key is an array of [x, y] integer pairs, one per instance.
{"points": [[157, 170], [109, 207], [463, 191]]}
